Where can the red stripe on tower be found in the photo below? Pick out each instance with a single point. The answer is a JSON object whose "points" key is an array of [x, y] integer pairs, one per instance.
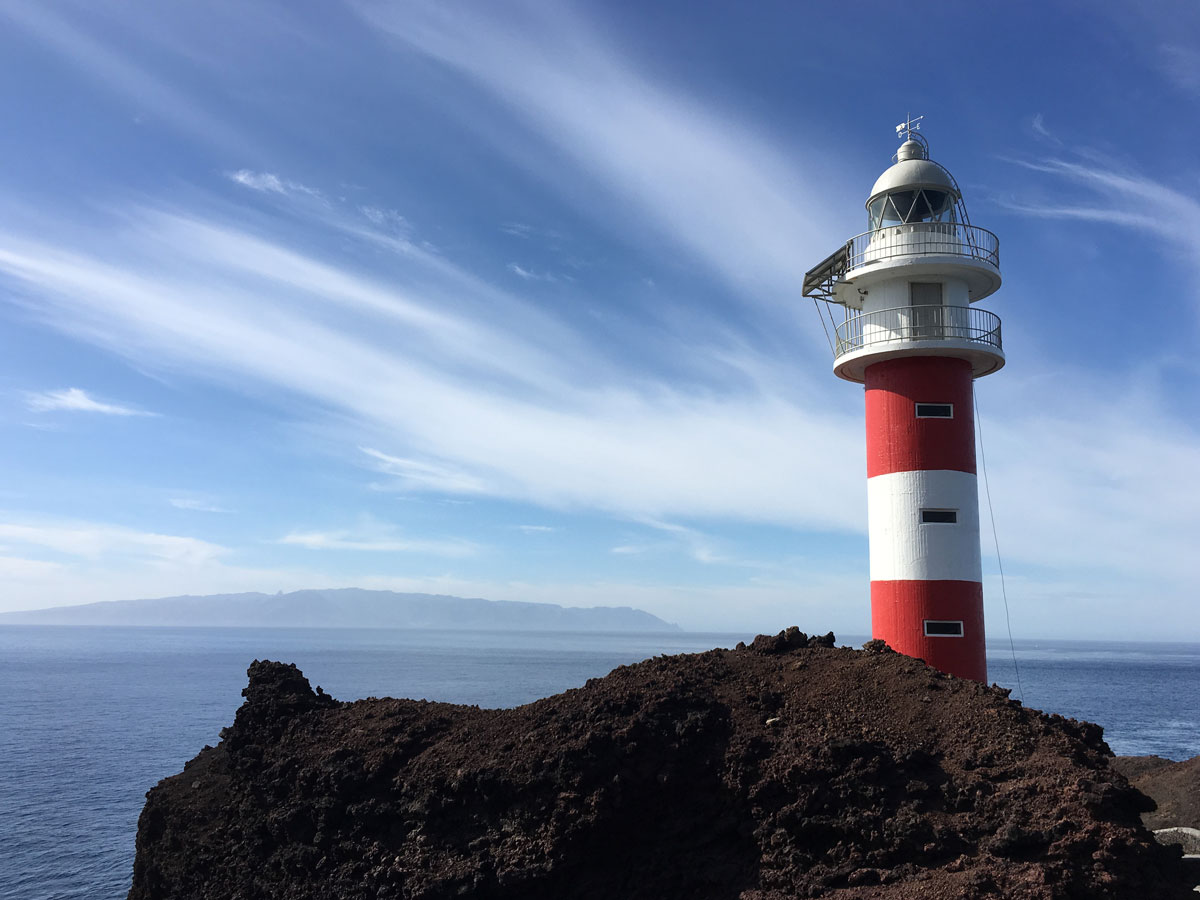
{"points": [[899, 438], [900, 609]]}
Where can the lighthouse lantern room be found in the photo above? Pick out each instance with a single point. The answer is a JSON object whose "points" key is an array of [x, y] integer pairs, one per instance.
{"points": [[911, 334]]}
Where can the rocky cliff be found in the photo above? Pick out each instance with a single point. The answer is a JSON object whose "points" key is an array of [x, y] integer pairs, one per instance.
{"points": [[780, 770]]}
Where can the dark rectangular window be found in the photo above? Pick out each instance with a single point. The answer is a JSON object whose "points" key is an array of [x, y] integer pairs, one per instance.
{"points": [[939, 516], [938, 628], [925, 293], [935, 410]]}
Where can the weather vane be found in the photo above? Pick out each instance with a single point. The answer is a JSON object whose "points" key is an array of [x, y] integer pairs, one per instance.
{"points": [[906, 128]]}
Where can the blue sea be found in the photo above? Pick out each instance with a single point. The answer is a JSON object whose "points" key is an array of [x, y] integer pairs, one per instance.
{"points": [[91, 718]]}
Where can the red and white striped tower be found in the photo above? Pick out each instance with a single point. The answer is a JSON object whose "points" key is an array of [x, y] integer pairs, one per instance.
{"points": [[912, 337]]}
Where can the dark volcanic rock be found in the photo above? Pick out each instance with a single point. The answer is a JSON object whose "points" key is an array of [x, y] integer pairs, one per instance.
{"points": [[1173, 786], [785, 769]]}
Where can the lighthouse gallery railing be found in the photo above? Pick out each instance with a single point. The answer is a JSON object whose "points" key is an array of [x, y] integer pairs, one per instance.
{"points": [[918, 323], [923, 238]]}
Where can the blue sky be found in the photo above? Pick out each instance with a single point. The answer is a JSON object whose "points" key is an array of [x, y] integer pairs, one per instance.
{"points": [[503, 300]]}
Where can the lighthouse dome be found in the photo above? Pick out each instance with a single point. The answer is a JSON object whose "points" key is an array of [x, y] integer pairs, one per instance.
{"points": [[914, 189], [909, 174]]}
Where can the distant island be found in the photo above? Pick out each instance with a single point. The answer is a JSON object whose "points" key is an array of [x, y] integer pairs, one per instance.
{"points": [[345, 608]]}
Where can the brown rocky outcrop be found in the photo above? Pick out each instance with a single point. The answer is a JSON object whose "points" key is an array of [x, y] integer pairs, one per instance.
{"points": [[1173, 786], [784, 769]]}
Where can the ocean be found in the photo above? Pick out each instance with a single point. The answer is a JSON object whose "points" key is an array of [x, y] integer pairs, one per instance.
{"points": [[91, 718]]}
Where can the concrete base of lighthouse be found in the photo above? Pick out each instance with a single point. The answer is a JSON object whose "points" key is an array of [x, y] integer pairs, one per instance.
{"points": [[926, 579]]}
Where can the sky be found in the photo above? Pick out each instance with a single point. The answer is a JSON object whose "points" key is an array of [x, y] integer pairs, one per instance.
{"points": [[503, 299]]}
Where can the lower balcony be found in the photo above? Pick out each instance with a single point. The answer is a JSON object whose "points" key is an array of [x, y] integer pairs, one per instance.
{"points": [[965, 332]]}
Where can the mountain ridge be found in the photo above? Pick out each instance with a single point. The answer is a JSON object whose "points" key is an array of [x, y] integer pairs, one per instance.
{"points": [[343, 608]]}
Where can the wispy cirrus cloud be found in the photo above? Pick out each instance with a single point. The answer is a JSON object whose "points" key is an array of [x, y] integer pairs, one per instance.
{"points": [[19, 569], [546, 419], [704, 178], [377, 541], [1039, 127], [518, 229], [469, 392], [1081, 513], [530, 275], [78, 400], [1181, 66], [1123, 198], [196, 503], [631, 549], [53, 562], [116, 71], [95, 541], [387, 219], [696, 544], [506, 404], [426, 474], [270, 183], [699, 546]]}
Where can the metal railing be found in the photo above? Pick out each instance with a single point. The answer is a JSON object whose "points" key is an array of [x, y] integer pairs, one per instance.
{"points": [[933, 238], [918, 323]]}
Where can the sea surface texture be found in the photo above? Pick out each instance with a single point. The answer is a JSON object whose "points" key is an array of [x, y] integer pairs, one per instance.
{"points": [[91, 718]]}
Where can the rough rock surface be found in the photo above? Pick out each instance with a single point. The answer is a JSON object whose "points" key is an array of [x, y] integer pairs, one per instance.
{"points": [[1173, 786], [780, 770]]}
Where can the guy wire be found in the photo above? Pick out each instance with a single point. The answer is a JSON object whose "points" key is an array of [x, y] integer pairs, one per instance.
{"points": [[996, 540]]}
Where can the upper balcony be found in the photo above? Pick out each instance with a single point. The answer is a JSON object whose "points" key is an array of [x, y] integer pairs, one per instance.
{"points": [[963, 332], [923, 249], [890, 241]]}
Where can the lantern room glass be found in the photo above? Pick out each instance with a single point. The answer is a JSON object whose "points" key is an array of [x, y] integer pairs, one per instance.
{"points": [[909, 206]]}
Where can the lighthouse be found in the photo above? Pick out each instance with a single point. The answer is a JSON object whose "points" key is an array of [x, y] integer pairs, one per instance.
{"points": [[910, 332]]}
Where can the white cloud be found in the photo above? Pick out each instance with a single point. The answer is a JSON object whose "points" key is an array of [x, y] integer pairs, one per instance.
{"points": [[387, 219], [117, 71], [506, 406], [100, 541], [693, 543], [258, 181], [1079, 491], [518, 229], [536, 529], [19, 569], [699, 546], [426, 474], [638, 448], [269, 183], [196, 503], [376, 543], [468, 391], [702, 176], [78, 400], [1181, 66], [1121, 198], [530, 275], [1039, 127]]}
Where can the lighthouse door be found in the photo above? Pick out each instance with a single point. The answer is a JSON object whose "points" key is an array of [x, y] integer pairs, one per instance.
{"points": [[925, 321]]}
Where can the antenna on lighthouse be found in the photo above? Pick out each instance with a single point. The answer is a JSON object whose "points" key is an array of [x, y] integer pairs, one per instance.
{"points": [[915, 146], [906, 128]]}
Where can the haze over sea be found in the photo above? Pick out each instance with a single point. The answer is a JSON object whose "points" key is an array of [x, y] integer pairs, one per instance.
{"points": [[91, 718]]}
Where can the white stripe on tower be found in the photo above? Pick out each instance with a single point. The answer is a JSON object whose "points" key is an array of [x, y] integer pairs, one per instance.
{"points": [[902, 547]]}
